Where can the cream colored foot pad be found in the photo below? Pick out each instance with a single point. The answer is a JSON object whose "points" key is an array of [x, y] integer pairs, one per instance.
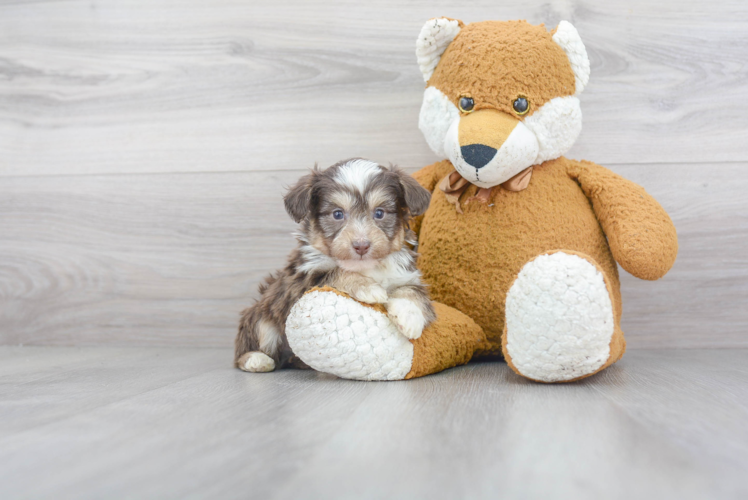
{"points": [[559, 318]]}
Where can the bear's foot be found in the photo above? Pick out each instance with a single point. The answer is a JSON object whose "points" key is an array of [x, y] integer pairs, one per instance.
{"points": [[332, 333], [560, 320], [335, 334]]}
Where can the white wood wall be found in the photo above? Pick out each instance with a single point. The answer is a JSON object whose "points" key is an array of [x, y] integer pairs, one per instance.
{"points": [[145, 145]]}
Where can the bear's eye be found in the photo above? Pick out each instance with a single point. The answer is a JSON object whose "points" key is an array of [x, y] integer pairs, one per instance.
{"points": [[521, 105], [338, 215], [466, 104]]}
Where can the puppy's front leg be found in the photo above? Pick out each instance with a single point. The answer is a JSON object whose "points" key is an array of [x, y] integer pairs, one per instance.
{"points": [[361, 288], [410, 309]]}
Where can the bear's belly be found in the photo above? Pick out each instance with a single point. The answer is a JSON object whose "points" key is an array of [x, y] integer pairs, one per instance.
{"points": [[470, 260]]}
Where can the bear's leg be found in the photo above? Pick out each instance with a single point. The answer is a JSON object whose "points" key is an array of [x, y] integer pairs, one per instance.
{"points": [[333, 333], [561, 324]]}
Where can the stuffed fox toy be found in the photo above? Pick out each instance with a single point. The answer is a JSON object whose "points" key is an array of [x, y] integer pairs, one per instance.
{"points": [[519, 244]]}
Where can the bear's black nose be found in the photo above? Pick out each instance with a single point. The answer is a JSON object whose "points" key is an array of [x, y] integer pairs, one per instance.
{"points": [[477, 155]]}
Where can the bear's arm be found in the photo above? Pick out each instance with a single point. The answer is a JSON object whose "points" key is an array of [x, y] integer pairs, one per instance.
{"points": [[640, 233], [429, 177]]}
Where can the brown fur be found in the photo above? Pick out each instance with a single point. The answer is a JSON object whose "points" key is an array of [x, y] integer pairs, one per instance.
{"points": [[326, 256], [577, 206], [471, 256], [471, 259], [488, 127], [494, 62], [449, 341]]}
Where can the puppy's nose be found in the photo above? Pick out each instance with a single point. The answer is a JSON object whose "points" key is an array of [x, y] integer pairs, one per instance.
{"points": [[477, 155], [361, 246]]}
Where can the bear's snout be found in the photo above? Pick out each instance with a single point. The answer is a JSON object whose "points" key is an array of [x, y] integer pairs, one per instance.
{"points": [[477, 155]]}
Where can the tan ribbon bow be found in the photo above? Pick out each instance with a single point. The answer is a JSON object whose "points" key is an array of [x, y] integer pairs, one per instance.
{"points": [[454, 185]]}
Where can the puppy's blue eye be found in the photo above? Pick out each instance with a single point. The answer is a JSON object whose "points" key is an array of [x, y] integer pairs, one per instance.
{"points": [[338, 215], [379, 213]]}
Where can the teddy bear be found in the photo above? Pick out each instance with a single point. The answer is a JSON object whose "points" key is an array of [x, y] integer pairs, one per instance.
{"points": [[519, 244]]}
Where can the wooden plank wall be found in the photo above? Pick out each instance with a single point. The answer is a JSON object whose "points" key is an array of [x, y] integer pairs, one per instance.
{"points": [[144, 147]]}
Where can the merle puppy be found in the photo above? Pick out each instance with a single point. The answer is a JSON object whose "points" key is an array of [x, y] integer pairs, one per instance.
{"points": [[353, 234]]}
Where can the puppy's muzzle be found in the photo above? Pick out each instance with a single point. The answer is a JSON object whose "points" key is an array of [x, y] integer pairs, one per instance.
{"points": [[361, 246]]}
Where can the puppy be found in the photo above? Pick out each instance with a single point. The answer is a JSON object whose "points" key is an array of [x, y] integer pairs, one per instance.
{"points": [[353, 232]]}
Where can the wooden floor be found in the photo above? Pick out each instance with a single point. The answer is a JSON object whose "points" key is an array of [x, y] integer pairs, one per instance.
{"points": [[102, 422]]}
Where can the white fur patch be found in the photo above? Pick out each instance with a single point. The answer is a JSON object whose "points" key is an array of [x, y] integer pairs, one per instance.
{"points": [[568, 38], [545, 135], [358, 265], [407, 316], [518, 152], [395, 271], [437, 115], [435, 37], [258, 362], [556, 126], [372, 294], [269, 337], [337, 335], [356, 174], [559, 318], [313, 259]]}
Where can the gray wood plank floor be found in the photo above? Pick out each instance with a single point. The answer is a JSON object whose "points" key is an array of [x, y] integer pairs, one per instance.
{"points": [[102, 422]]}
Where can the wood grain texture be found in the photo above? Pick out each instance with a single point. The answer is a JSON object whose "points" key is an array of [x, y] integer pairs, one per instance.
{"points": [[151, 259], [658, 424], [171, 259], [157, 86], [42, 387]]}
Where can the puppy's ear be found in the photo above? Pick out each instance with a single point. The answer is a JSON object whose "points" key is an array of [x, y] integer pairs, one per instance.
{"points": [[417, 198], [298, 198]]}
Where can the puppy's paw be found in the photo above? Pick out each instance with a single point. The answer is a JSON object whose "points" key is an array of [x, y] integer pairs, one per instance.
{"points": [[371, 294], [256, 362], [407, 316]]}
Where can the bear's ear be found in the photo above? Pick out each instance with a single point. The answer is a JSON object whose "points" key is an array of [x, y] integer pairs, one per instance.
{"points": [[435, 36], [568, 38]]}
